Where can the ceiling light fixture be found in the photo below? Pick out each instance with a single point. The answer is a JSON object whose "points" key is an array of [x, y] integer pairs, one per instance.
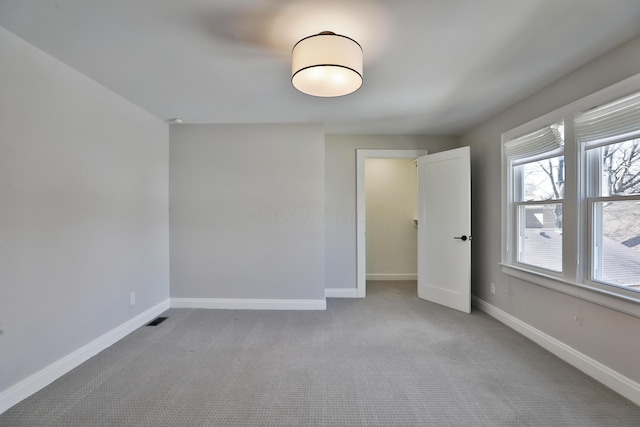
{"points": [[327, 65]]}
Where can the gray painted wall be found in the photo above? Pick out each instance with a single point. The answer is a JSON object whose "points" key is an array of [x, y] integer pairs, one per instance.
{"points": [[608, 336], [246, 211], [340, 196], [83, 210]]}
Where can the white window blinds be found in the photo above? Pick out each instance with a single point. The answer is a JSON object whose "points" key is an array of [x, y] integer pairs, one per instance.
{"points": [[613, 122], [545, 142]]}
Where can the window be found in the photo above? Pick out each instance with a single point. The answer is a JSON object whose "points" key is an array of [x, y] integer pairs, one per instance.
{"points": [[610, 136], [571, 199], [537, 168]]}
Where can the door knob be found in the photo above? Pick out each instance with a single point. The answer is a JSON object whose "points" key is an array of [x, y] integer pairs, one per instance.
{"points": [[463, 238]]}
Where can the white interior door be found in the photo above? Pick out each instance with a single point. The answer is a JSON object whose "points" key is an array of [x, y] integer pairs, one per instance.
{"points": [[444, 228]]}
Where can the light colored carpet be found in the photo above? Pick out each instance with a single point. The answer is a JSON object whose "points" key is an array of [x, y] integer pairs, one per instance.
{"points": [[387, 360]]}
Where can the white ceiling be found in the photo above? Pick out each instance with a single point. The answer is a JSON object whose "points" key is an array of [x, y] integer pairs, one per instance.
{"points": [[431, 66]]}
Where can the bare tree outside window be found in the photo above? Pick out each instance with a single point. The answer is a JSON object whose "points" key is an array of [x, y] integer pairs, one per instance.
{"points": [[544, 180], [554, 170], [621, 168]]}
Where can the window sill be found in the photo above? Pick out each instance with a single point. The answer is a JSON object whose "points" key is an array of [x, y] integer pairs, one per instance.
{"points": [[613, 300]]}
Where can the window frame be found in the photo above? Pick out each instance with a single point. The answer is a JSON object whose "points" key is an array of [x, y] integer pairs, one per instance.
{"points": [[575, 278]]}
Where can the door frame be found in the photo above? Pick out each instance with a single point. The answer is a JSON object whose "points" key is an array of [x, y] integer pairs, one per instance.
{"points": [[361, 207]]}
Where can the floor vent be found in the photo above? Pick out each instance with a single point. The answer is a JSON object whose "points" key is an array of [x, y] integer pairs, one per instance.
{"points": [[157, 321]]}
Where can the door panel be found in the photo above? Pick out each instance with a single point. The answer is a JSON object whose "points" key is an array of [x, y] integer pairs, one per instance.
{"points": [[444, 228]]}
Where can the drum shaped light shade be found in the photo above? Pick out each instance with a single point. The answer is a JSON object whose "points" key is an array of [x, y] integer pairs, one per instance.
{"points": [[327, 65]]}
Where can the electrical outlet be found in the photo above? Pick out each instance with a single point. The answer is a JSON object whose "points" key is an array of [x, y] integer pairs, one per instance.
{"points": [[132, 298], [493, 288]]}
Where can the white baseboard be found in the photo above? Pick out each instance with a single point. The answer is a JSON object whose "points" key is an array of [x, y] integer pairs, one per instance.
{"points": [[49, 374], [341, 293], [602, 373], [249, 304], [392, 277]]}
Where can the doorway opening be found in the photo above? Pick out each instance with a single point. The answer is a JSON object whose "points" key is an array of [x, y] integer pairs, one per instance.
{"points": [[363, 216]]}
